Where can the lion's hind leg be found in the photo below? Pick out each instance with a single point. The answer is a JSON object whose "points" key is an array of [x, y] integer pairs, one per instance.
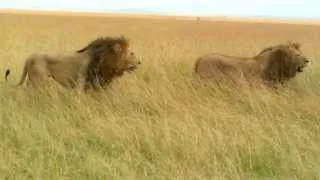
{"points": [[38, 75]]}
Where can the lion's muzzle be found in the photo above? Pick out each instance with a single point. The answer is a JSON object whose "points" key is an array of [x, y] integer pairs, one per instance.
{"points": [[306, 62]]}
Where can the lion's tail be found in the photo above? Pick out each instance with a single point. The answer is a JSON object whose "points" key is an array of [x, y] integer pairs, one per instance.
{"points": [[7, 74], [23, 76]]}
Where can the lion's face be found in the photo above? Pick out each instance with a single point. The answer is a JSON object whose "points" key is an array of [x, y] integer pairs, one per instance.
{"points": [[128, 62], [299, 59], [123, 60]]}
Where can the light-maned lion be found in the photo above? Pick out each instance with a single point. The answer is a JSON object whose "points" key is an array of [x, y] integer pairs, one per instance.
{"points": [[273, 65], [95, 65]]}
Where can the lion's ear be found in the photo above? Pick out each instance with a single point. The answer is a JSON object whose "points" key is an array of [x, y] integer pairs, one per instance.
{"points": [[296, 45], [117, 48]]}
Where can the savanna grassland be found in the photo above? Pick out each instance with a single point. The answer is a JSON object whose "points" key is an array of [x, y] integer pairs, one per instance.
{"points": [[157, 123]]}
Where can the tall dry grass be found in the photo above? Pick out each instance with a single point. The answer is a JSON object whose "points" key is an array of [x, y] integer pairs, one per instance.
{"points": [[156, 124]]}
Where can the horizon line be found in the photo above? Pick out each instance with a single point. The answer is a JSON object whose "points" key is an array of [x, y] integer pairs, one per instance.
{"points": [[73, 12]]}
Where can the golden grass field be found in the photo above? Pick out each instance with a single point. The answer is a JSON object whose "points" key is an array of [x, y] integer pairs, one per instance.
{"points": [[155, 124]]}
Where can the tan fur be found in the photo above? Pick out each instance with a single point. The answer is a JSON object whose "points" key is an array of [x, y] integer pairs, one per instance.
{"points": [[273, 65], [69, 70], [97, 64]]}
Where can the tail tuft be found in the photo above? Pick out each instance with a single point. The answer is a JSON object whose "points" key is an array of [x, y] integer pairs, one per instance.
{"points": [[7, 74]]}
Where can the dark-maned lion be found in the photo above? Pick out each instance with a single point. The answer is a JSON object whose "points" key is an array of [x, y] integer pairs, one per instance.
{"points": [[273, 65], [95, 65], [108, 63]]}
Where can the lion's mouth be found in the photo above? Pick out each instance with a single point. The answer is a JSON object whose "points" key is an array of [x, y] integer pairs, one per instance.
{"points": [[300, 69], [131, 68]]}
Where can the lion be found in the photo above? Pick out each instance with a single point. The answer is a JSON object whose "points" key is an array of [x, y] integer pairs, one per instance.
{"points": [[95, 65], [273, 66]]}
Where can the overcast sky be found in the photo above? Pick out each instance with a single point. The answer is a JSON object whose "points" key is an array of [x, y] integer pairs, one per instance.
{"points": [[258, 8]]}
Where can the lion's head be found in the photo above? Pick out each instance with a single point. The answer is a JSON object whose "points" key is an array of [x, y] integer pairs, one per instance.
{"points": [[283, 62], [110, 58]]}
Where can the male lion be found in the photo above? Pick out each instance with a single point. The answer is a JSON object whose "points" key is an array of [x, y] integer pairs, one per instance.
{"points": [[273, 65], [95, 65]]}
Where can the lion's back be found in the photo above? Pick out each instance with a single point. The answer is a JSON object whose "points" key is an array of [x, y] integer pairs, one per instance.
{"points": [[213, 64], [68, 63]]}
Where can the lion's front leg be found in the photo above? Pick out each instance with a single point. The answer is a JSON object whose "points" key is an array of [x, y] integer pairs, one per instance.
{"points": [[81, 83]]}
